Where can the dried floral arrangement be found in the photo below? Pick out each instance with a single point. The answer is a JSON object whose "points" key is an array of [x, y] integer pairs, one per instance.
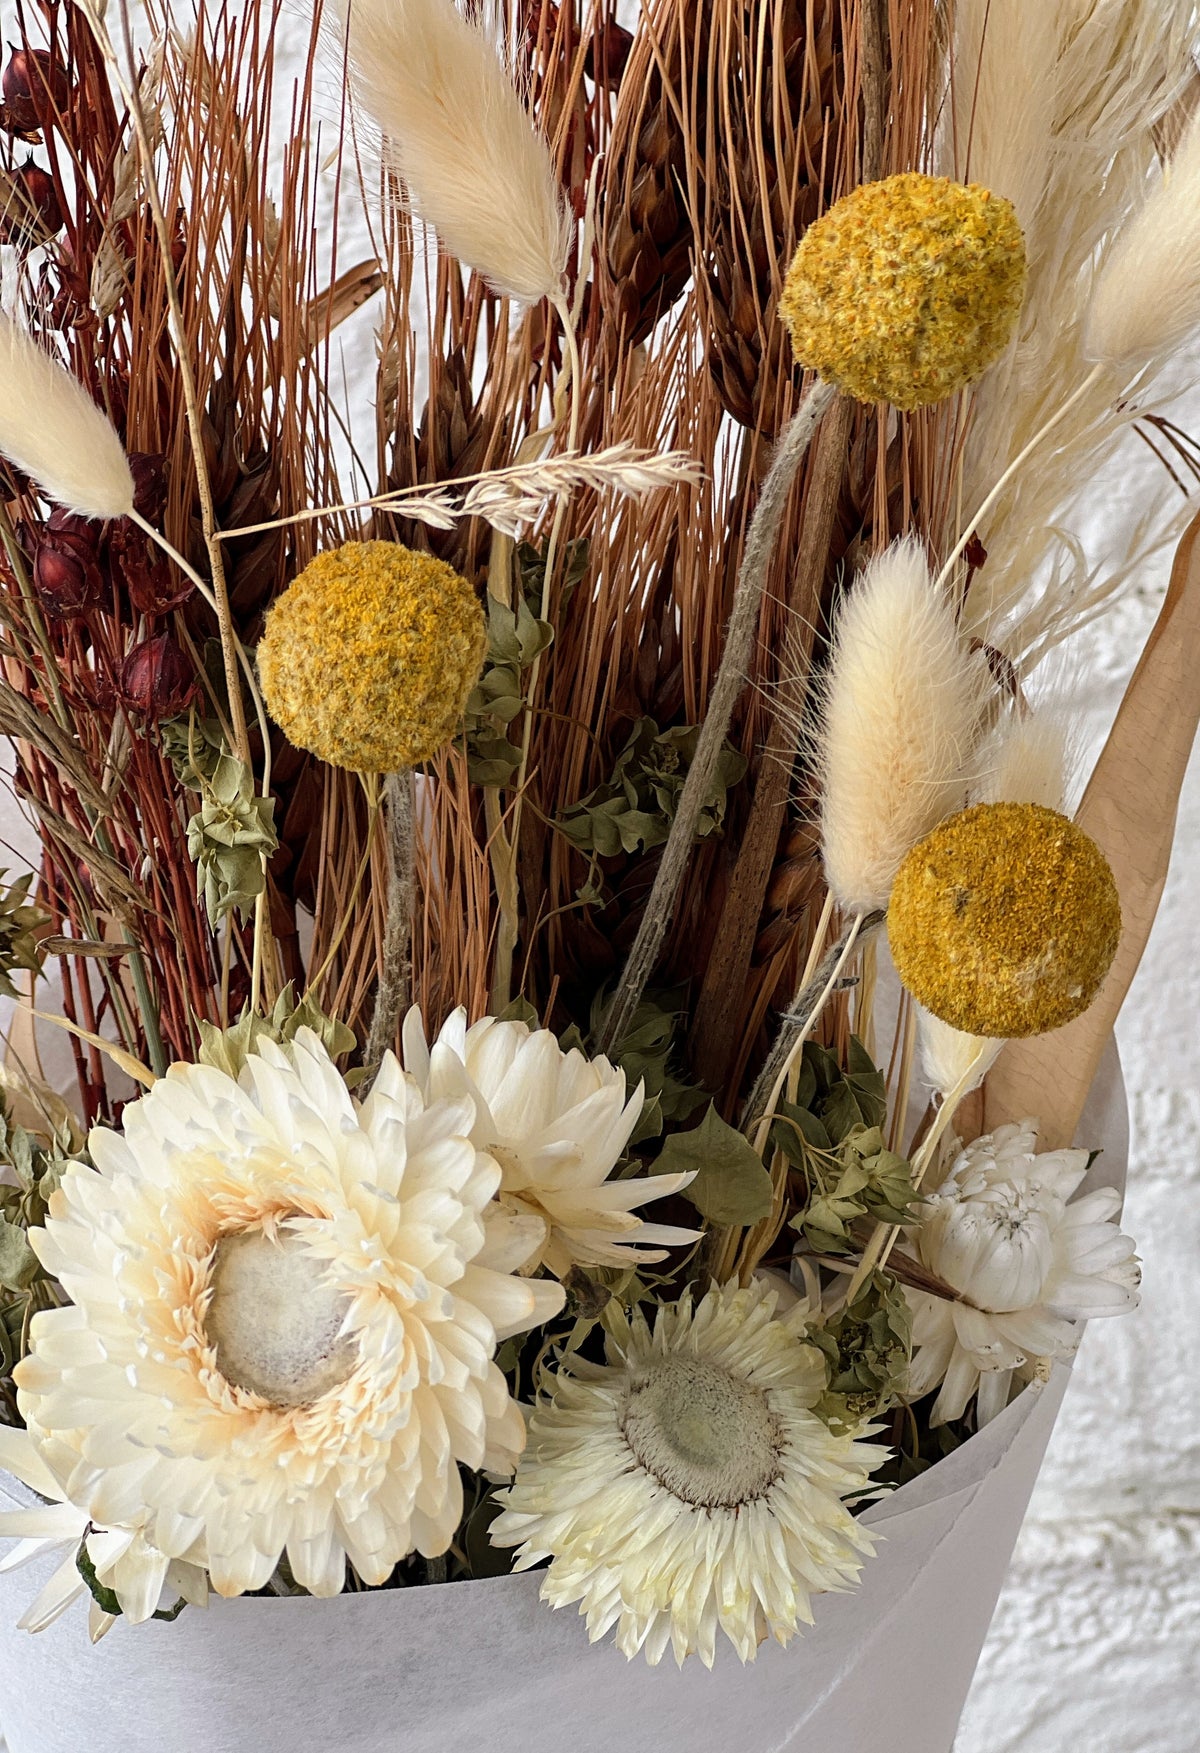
{"points": [[466, 845]]}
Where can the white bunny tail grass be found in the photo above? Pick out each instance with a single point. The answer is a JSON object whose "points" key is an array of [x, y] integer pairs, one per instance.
{"points": [[51, 428], [900, 715], [948, 1056], [459, 136], [1024, 761], [1146, 300]]}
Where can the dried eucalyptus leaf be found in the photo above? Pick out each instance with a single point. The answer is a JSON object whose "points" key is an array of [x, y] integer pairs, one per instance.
{"points": [[19, 1265], [732, 1188]]}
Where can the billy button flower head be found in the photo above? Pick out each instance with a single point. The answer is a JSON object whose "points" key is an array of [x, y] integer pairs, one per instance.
{"points": [[907, 289], [1004, 920], [368, 657]]}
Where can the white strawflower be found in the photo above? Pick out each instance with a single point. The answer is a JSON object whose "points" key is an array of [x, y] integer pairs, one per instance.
{"points": [[285, 1314], [1028, 1265], [685, 1487], [141, 1577], [557, 1123]]}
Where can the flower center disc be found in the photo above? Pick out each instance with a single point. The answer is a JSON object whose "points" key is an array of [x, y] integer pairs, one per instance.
{"points": [[707, 1436], [274, 1324]]}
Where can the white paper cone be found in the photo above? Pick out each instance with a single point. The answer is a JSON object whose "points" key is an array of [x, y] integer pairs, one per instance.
{"points": [[484, 1667]]}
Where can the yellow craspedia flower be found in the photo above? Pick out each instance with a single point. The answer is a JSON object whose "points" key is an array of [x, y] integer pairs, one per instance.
{"points": [[907, 289], [368, 657], [1004, 920]]}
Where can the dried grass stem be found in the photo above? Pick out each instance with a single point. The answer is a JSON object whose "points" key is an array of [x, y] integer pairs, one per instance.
{"points": [[727, 685]]}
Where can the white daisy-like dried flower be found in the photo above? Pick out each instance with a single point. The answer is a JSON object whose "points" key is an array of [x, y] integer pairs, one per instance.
{"points": [[557, 1123], [141, 1577], [686, 1487], [285, 1309], [1028, 1265]]}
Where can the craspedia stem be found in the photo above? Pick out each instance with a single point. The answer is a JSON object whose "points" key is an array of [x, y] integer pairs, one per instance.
{"points": [[730, 679], [395, 973]]}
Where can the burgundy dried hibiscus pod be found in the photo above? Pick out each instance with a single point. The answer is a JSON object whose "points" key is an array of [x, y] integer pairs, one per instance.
{"points": [[157, 681], [34, 84], [32, 211], [66, 569], [149, 484]]}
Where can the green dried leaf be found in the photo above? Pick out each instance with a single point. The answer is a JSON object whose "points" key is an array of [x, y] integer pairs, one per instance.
{"points": [[22, 926], [228, 1049], [633, 810], [229, 839], [732, 1188], [19, 1265], [104, 1598]]}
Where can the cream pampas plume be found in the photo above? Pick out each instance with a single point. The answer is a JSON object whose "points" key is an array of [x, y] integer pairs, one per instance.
{"points": [[900, 715], [51, 428], [1024, 761], [459, 136], [1146, 300]]}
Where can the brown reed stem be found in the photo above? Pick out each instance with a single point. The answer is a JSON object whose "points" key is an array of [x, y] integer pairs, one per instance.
{"points": [[395, 972], [727, 686]]}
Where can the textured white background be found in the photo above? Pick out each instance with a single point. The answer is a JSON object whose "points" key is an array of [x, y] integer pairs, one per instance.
{"points": [[1096, 1643]]}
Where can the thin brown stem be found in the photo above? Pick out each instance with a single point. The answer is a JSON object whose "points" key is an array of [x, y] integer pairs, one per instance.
{"points": [[727, 686], [395, 972]]}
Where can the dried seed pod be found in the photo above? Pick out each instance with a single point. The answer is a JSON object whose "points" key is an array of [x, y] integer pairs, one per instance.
{"points": [[30, 210], [149, 484], [34, 85], [154, 589], [66, 577], [157, 681]]}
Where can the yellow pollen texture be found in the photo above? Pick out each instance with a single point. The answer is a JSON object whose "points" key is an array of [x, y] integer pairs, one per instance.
{"points": [[1004, 921], [907, 289], [368, 657]]}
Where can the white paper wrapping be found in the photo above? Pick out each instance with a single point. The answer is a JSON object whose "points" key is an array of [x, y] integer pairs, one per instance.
{"points": [[484, 1667]]}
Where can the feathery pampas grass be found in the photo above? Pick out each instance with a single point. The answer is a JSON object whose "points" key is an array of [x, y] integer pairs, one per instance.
{"points": [[51, 428], [1024, 761], [459, 136], [1105, 71], [1146, 300], [900, 713]]}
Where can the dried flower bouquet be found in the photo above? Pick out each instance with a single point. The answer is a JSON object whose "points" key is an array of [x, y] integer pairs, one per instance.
{"points": [[455, 847]]}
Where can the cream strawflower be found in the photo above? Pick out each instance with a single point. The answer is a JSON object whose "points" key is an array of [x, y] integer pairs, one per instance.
{"points": [[123, 1560], [685, 1487], [557, 1124], [285, 1313], [999, 1231]]}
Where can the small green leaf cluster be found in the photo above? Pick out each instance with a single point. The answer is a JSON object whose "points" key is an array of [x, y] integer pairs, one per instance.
{"points": [[832, 1134], [634, 808], [228, 1049], [516, 638], [232, 834], [645, 1053], [32, 1171], [21, 926], [867, 1347]]}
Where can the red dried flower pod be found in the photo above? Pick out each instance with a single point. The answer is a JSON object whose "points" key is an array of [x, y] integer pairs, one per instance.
{"points": [[154, 589], [34, 85], [157, 681], [32, 211], [607, 55], [149, 484], [66, 573]]}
